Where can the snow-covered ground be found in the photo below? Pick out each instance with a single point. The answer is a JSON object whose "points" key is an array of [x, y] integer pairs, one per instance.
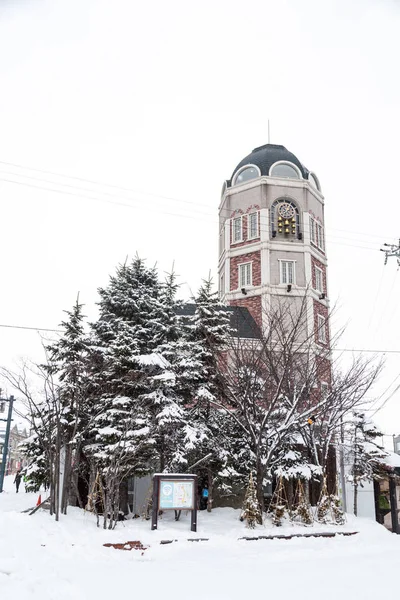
{"points": [[44, 560]]}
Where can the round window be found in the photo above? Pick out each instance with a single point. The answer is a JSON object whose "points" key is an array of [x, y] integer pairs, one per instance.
{"points": [[246, 175], [284, 170]]}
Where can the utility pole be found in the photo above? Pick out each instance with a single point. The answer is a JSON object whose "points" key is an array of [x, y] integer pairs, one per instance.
{"points": [[392, 250], [3, 465]]}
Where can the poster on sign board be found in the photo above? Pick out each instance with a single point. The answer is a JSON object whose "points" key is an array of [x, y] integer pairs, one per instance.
{"points": [[176, 494]]}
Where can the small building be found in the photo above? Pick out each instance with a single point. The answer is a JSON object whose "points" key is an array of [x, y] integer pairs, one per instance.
{"points": [[15, 458]]}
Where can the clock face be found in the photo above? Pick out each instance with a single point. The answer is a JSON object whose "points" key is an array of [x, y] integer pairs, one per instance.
{"points": [[286, 211]]}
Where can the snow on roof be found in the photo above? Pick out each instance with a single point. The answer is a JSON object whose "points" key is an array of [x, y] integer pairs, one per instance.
{"points": [[392, 459]]}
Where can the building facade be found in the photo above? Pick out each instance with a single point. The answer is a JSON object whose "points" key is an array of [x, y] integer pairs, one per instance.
{"points": [[15, 459], [272, 239]]}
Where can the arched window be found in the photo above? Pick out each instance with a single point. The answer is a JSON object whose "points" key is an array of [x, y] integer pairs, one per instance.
{"points": [[312, 178], [246, 173], [285, 219], [284, 169]]}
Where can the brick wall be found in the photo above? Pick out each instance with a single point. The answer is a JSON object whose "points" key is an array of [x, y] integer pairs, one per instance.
{"points": [[255, 259], [316, 263], [320, 309], [253, 304]]}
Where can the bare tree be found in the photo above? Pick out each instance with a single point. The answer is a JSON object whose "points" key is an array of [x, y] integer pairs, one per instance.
{"points": [[274, 393], [44, 417]]}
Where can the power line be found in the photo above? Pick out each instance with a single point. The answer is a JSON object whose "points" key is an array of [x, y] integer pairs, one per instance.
{"points": [[386, 401], [201, 215], [361, 350], [130, 190], [32, 328]]}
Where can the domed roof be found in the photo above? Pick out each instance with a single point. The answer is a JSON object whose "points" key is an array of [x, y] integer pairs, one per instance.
{"points": [[265, 156]]}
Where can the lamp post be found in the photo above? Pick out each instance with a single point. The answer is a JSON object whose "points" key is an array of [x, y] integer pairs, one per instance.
{"points": [[3, 465]]}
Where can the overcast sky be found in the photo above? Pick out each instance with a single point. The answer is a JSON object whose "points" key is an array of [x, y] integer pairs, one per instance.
{"points": [[164, 99]]}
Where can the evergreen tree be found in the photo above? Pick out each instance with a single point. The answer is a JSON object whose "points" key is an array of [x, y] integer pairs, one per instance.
{"points": [[201, 355], [367, 454], [36, 471], [132, 324], [251, 510], [164, 399], [68, 362]]}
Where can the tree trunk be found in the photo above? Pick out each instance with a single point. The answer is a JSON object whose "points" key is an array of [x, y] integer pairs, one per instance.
{"points": [[66, 487], [210, 490], [355, 498], [259, 487]]}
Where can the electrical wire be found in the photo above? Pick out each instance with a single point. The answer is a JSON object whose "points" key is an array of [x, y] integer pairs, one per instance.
{"points": [[360, 350], [31, 328], [386, 401], [200, 216], [129, 190]]}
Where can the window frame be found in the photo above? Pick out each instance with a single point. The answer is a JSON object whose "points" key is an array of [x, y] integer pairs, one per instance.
{"points": [[289, 164], [249, 216], [249, 166], [318, 271], [317, 185], [241, 266], [234, 219], [321, 326], [222, 285], [283, 261], [317, 234], [273, 217], [324, 389]]}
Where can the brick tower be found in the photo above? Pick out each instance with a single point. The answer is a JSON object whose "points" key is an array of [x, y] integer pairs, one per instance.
{"points": [[272, 238]]}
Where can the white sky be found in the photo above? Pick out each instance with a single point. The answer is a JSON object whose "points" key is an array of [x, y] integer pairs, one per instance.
{"points": [[166, 98]]}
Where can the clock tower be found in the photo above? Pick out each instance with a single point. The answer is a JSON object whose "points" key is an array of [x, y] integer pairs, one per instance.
{"points": [[272, 238]]}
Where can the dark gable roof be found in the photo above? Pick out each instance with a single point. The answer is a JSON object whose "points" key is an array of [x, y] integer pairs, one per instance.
{"points": [[265, 156], [240, 319]]}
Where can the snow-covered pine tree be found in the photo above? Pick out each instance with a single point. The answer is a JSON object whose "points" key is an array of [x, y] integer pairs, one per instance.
{"points": [[36, 469], [68, 362], [366, 453], [125, 339], [201, 358], [164, 400], [251, 509]]}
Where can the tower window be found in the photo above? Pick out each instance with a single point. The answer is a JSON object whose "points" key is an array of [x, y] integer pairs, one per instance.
{"points": [[285, 219], [237, 230], [314, 181], [288, 271], [319, 281], [285, 170], [317, 234], [321, 329], [252, 226], [246, 174], [245, 275]]}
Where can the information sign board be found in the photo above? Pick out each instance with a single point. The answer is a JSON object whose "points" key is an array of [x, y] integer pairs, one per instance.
{"points": [[174, 491], [176, 495]]}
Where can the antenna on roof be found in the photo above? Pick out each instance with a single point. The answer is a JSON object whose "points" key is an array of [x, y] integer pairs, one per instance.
{"points": [[269, 136]]}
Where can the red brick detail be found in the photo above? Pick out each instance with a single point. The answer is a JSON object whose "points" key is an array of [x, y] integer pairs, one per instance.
{"points": [[320, 309], [135, 545], [245, 228], [316, 263], [324, 370], [253, 208], [253, 305], [255, 259]]}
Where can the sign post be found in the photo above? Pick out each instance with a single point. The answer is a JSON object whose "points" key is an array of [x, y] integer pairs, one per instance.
{"points": [[174, 492], [3, 465]]}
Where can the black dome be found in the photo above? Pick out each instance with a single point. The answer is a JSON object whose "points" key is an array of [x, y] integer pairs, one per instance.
{"points": [[265, 156]]}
